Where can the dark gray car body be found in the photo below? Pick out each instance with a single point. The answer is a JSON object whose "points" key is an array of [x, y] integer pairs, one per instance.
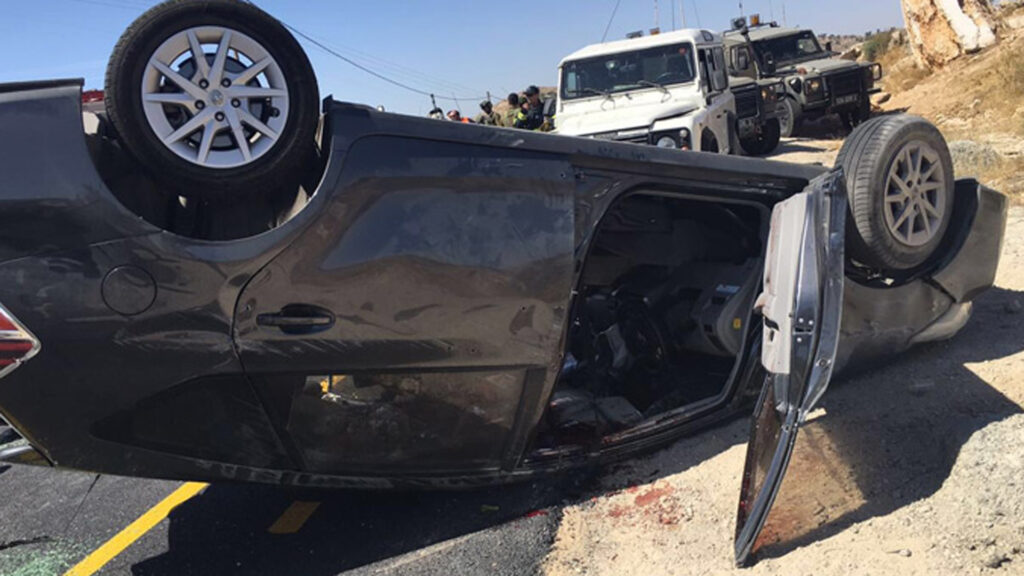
{"points": [[445, 257]]}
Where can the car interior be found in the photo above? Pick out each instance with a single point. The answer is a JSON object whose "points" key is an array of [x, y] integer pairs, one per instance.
{"points": [[660, 318]]}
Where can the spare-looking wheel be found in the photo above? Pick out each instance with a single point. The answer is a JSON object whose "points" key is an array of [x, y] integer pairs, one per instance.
{"points": [[899, 177], [215, 98]]}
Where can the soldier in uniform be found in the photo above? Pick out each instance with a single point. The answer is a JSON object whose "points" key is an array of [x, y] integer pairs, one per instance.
{"points": [[509, 121], [487, 115]]}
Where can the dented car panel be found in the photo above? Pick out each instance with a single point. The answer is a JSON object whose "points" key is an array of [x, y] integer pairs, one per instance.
{"points": [[409, 326]]}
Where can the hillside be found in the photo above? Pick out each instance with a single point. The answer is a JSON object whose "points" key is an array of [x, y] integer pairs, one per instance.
{"points": [[977, 102]]}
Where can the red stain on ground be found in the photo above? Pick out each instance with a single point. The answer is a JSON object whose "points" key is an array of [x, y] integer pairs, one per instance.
{"points": [[651, 496]]}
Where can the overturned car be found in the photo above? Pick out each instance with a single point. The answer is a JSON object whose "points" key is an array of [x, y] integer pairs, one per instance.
{"points": [[449, 305]]}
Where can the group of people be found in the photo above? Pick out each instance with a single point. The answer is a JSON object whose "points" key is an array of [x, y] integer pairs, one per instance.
{"points": [[526, 111]]}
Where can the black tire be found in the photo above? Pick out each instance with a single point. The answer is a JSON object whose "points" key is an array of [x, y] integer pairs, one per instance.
{"points": [[853, 118], [867, 157], [764, 143], [789, 123], [279, 166], [708, 142]]}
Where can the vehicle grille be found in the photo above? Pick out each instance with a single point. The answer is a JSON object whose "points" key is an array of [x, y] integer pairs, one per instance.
{"points": [[746, 103], [634, 136], [844, 83]]}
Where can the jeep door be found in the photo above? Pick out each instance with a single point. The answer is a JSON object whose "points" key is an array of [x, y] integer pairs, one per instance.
{"points": [[801, 306], [721, 103]]}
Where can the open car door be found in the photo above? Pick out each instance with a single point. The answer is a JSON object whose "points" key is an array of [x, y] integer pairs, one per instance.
{"points": [[801, 305]]}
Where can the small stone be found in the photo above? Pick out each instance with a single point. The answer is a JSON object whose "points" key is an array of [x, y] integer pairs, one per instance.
{"points": [[995, 560], [905, 553]]}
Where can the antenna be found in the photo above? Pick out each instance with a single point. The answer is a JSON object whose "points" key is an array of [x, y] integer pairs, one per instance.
{"points": [[741, 8], [784, 21], [674, 15], [682, 11], [771, 11], [657, 17]]}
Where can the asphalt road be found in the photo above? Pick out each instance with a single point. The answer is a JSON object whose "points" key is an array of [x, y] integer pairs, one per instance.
{"points": [[50, 520]]}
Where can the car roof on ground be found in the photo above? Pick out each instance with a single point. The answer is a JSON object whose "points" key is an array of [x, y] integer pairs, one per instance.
{"points": [[694, 35]]}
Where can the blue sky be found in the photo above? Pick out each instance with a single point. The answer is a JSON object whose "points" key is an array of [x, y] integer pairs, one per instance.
{"points": [[461, 48]]}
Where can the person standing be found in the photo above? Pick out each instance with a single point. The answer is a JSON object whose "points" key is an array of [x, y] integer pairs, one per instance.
{"points": [[456, 116], [509, 120], [487, 115], [532, 118]]}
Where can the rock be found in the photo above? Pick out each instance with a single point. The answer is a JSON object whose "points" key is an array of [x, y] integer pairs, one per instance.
{"points": [[995, 560], [973, 158], [881, 98], [940, 31], [853, 53], [905, 553]]}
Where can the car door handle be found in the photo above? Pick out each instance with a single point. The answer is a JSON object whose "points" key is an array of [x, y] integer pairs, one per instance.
{"points": [[298, 319]]}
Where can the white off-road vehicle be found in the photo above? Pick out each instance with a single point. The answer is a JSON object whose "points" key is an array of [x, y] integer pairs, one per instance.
{"points": [[669, 90]]}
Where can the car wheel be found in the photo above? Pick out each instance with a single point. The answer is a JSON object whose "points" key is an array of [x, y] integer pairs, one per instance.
{"points": [[764, 143], [787, 113], [215, 98], [899, 177]]}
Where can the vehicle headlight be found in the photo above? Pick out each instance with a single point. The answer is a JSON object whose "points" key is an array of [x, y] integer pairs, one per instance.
{"points": [[666, 141], [814, 88], [768, 94]]}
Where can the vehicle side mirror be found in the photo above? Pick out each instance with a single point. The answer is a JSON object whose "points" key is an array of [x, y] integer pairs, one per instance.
{"points": [[828, 46], [742, 60], [769, 63]]}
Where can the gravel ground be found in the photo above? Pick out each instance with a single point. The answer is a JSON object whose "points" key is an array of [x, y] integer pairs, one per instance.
{"points": [[914, 468]]}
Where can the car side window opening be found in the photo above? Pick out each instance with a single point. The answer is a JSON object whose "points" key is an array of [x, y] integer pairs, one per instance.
{"points": [[705, 70], [740, 58], [625, 71], [720, 79], [714, 77]]}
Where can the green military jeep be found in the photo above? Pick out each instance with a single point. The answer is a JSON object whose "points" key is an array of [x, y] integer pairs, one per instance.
{"points": [[817, 82]]}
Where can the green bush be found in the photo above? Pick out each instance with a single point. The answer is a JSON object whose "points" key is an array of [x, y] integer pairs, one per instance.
{"points": [[877, 45]]}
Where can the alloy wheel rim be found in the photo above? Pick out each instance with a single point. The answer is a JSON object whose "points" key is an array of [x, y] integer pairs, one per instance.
{"points": [[915, 195], [215, 97]]}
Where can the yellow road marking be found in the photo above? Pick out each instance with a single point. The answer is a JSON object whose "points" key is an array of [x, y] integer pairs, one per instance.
{"points": [[109, 550], [293, 518]]}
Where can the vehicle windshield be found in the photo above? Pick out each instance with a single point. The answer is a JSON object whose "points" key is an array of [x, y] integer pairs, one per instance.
{"points": [[792, 48], [624, 71]]}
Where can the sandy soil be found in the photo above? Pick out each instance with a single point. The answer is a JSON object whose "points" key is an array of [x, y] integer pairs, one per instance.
{"points": [[918, 467]]}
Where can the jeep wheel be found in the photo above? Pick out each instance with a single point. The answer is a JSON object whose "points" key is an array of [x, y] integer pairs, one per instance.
{"points": [[788, 116], [214, 97], [899, 177], [856, 117], [708, 142], [764, 143]]}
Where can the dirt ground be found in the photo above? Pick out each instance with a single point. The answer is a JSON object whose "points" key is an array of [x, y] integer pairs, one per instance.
{"points": [[918, 467]]}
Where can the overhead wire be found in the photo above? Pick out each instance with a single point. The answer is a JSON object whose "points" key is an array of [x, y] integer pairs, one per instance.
{"points": [[610, 19]]}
